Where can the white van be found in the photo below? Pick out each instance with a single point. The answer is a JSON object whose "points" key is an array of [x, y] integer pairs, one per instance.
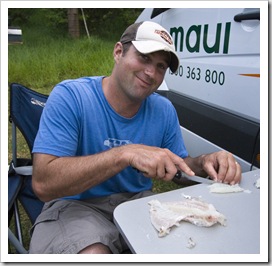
{"points": [[216, 90]]}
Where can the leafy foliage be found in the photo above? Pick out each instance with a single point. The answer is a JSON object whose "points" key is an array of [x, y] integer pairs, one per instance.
{"points": [[104, 22], [110, 22]]}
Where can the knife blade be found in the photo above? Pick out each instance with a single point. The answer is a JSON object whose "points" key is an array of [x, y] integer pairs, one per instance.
{"points": [[194, 178]]}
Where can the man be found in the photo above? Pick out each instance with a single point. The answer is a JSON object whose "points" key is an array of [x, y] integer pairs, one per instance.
{"points": [[102, 140]]}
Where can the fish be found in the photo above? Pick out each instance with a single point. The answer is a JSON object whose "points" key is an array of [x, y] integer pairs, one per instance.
{"points": [[257, 183], [191, 243], [224, 188], [166, 215]]}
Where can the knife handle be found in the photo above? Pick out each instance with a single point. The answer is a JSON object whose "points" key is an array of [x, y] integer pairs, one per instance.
{"points": [[179, 174]]}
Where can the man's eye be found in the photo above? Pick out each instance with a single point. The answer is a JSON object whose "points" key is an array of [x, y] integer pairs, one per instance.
{"points": [[162, 66]]}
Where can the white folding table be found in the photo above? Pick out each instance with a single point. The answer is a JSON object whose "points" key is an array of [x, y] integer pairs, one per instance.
{"points": [[241, 235]]}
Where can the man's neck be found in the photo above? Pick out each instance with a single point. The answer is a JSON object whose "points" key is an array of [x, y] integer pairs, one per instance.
{"points": [[118, 101]]}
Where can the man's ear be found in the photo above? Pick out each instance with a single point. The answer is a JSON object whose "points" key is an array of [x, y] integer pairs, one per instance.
{"points": [[117, 51]]}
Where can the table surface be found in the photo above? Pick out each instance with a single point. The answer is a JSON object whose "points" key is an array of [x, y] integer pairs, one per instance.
{"points": [[241, 235]]}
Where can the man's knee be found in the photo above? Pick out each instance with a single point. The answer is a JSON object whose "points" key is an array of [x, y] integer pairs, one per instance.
{"points": [[96, 248]]}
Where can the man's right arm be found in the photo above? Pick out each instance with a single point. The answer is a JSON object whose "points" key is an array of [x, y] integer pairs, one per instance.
{"points": [[56, 177]]}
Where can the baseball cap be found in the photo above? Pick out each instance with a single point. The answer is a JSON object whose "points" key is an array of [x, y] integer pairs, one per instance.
{"points": [[148, 37]]}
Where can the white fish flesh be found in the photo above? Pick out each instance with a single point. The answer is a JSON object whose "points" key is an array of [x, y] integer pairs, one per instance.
{"points": [[257, 183], [225, 188], [191, 243], [165, 215]]}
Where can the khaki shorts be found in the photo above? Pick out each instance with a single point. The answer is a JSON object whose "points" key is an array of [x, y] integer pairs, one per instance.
{"points": [[68, 226]]}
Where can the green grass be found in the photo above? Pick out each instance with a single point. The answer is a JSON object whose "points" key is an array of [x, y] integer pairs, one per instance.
{"points": [[45, 64], [43, 61]]}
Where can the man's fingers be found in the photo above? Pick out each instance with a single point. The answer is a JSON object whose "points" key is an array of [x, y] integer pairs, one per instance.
{"points": [[222, 167], [157, 163], [186, 169], [233, 174], [180, 164]]}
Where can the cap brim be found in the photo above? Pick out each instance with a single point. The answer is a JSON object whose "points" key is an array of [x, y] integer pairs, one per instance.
{"points": [[146, 47]]}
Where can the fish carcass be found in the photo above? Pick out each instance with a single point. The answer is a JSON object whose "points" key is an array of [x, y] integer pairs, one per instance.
{"points": [[165, 215]]}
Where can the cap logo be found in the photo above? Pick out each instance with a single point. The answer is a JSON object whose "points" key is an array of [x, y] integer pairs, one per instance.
{"points": [[164, 35]]}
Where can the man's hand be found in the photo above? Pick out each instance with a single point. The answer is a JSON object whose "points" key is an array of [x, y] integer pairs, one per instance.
{"points": [[222, 167], [155, 162]]}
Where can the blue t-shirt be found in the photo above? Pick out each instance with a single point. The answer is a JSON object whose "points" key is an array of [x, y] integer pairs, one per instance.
{"points": [[77, 120]]}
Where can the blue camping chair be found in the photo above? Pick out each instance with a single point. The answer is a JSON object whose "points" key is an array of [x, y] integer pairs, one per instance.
{"points": [[26, 107]]}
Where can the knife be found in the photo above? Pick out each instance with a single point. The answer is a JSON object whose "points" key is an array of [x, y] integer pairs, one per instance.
{"points": [[194, 178]]}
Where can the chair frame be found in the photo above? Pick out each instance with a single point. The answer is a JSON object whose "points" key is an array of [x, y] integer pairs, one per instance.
{"points": [[16, 238]]}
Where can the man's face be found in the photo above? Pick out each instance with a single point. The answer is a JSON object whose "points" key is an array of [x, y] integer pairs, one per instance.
{"points": [[139, 75]]}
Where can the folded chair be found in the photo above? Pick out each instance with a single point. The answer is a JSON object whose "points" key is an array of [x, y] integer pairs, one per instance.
{"points": [[26, 107]]}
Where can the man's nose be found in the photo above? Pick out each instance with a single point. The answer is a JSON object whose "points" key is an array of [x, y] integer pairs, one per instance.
{"points": [[150, 70]]}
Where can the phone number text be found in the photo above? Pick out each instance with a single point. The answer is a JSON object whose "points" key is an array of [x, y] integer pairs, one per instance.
{"points": [[195, 73]]}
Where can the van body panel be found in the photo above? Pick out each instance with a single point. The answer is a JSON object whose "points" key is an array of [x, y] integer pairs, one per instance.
{"points": [[216, 89]]}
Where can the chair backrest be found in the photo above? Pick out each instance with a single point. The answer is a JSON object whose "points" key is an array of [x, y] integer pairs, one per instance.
{"points": [[26, 107]]}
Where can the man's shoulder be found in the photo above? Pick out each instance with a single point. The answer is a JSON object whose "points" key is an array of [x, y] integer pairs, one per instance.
{"points": [[159, 99], [81, 80], [79, 86]]}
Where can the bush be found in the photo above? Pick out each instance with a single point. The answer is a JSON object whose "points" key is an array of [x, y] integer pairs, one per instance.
{"points": [[103, 22]]}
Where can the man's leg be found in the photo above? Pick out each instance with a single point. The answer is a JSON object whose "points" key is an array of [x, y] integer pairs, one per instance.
{"points": [[96, 248], [75, 227]]}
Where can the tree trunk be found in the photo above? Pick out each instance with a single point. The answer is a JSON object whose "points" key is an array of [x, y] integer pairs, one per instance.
{"points": [[73, 22]]}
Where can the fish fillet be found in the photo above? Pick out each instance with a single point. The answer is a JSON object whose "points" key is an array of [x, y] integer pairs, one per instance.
{"points": [[165, 215], [257, 183], [225, 188]]}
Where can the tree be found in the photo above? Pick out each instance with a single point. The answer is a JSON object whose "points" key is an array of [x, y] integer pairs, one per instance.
{"points": [[73, 22], [103, 22]]}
